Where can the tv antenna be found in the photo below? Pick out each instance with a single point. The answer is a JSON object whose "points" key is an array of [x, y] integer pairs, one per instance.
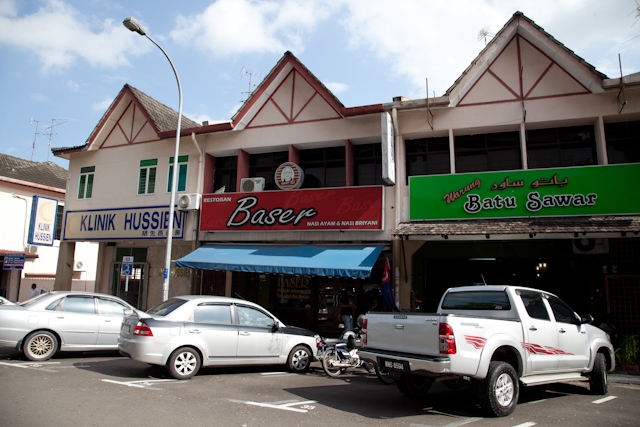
{"points": [[48, 131], [484, 33], [252, 85]]}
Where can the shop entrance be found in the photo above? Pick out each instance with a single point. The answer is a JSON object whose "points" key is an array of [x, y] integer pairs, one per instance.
{"points": [[133, 290]]}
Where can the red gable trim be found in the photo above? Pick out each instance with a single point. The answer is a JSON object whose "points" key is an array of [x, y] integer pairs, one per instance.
{"points": [[33, 184]]}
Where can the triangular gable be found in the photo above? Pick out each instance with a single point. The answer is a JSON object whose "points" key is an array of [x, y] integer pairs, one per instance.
{"points": [[522, 72], [523, 62], [289, 94]]}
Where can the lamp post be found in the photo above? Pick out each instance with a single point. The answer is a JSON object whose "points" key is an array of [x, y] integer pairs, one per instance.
{"points": [[133, 25]]}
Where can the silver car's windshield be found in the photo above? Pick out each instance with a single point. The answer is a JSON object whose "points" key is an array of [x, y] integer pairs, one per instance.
{"points": [[166, 307]]}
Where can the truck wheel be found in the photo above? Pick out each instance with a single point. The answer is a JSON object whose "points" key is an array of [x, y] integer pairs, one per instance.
{"points": [[500, 390], [414, 385], [598, 384]]}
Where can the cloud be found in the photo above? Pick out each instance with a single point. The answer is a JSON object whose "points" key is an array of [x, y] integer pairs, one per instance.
{"points": [[337, 88], [58, 35], [233, 27], [438, 41], [73, 85], [102, 105], [39, 97]]}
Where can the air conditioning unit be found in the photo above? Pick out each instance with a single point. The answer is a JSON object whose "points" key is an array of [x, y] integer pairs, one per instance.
{"points": [[590, 246], [248, 185], [32, 249], [79, 265], [189, 202]]}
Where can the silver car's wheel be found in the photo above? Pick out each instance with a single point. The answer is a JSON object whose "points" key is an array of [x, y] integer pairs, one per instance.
{"points": [[40, 345], [299, 359], [184, 363]]}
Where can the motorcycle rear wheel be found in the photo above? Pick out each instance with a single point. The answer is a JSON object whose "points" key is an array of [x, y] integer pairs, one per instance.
{"points": [[330, 357], [384, 377]]}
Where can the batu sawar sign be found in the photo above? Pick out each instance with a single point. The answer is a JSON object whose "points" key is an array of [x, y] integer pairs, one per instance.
{"points": [[589, 190], [352, 208]]}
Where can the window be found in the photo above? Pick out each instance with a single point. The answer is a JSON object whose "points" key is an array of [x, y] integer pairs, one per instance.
{"points": [[182, 173], [85, 186], [78, 305], [59, 218], [251, 317], [109, 307], [427, 156], [488, 152], [323, 167], [367, 164], [476, 300], [147, 176], [534, 305], [212, 313], [623, 142], [570, 146], [265, 165], [226, 173], [562, 312], [166, 307]]}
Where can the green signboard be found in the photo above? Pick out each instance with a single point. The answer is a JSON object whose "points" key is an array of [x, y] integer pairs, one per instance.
{"points": [[590, 190]]}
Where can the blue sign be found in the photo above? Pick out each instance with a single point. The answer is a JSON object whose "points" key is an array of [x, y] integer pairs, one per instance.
{"points": [[13, 262], [127, 265]]}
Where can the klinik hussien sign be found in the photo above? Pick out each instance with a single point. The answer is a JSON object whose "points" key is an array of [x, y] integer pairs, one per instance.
{"points": [[590, 190]]}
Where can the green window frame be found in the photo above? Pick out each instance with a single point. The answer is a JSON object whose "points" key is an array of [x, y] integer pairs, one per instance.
{"points": [[182, 173], [147, 176], [85, 184]]}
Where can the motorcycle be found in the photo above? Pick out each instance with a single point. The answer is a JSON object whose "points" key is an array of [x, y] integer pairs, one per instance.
{"points": [[342, 354]]}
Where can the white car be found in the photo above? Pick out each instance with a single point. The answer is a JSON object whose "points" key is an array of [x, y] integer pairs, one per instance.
{"points": [[187, 332], [66, 321], [4, 301]]}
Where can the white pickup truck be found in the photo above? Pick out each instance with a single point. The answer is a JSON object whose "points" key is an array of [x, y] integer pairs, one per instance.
{"points": [[496, 337]]}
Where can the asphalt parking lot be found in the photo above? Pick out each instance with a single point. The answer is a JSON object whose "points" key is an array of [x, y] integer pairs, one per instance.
{"points": [[104, 389]]}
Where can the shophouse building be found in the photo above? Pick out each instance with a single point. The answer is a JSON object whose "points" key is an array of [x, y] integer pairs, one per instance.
{"points": [[523, 173], [32, 196]]}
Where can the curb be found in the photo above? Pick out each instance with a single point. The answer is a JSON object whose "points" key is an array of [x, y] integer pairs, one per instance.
{"points": [[624, 379]]}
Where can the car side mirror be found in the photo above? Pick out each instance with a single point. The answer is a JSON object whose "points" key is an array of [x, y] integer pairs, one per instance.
{"points": [[586, 318], [275, 327]]}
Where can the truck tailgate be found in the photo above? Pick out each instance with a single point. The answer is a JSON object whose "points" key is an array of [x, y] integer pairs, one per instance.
{"points": [[415, 333]]}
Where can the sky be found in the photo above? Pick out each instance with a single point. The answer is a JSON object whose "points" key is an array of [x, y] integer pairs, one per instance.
{"points": [[62, 62]]}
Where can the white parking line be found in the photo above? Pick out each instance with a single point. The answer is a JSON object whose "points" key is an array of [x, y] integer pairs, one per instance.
{"points": [[139, 383], [31, 365], [305, 407], [528, 424], [282, 374], [453, 424], [604, 399]]}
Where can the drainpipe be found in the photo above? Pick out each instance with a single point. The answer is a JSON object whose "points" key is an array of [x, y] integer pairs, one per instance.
{"points": [[199, 186], [200, 162]]}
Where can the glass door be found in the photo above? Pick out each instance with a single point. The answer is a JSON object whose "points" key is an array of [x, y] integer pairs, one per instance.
{"points": [[132, 289]]}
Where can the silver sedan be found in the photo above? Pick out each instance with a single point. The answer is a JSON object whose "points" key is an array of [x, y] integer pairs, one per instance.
{"points": [[187, 332], [66, 321]]}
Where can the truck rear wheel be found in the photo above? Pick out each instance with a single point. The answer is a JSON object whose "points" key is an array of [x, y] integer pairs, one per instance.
{"points": [[414, 385], [500, 390], [598, 384]]}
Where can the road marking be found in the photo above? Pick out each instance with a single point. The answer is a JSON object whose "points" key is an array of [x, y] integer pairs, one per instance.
{"points": [[283, 374], [453, 424], [31, 365], [604, 399], [286, 406], [140, 383], [529, 424]]}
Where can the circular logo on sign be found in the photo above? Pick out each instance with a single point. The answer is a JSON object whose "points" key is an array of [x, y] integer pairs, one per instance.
{"points": [[289, 176]]}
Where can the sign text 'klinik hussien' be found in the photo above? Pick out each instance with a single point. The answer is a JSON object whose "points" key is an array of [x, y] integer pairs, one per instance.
{"points": [[589, 190], [353, 208]]}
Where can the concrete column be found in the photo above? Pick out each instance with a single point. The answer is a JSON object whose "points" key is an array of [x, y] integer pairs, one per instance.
{"points": [[601, 142], [523, 146], [452, 152], [64, 271]]}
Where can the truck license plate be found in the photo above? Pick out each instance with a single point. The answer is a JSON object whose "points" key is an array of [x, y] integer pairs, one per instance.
{"points": [[397, 366]]}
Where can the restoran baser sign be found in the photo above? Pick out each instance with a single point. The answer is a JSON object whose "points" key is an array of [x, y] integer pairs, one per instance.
{"points": [[345, 208]]}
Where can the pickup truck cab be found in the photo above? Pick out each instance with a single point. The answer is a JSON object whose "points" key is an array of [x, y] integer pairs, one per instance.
{"points": [[498, 338]]}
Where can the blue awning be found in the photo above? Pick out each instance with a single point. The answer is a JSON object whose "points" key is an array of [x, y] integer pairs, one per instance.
{"points": [[353, 261]]}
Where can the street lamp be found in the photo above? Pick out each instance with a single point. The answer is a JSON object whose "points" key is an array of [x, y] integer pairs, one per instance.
{"points": [[133, 25]]}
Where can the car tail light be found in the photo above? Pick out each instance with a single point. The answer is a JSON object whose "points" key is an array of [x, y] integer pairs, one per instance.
{"points": [[363, 332], [142, 329], [447, 340]]}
